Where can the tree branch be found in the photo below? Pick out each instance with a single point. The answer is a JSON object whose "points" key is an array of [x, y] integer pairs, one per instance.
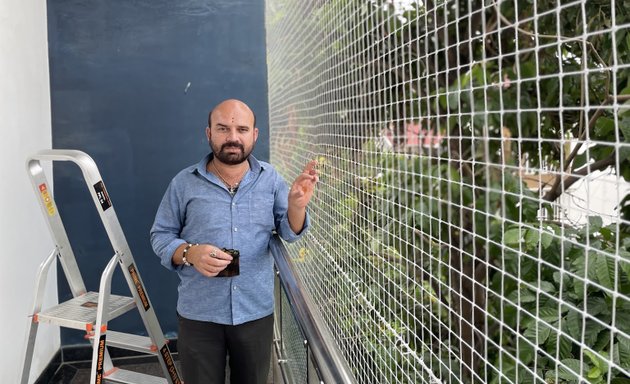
{"points": [[555, 191]]}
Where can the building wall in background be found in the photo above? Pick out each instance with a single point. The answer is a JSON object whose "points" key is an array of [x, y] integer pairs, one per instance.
{"points": [[131, 85], [25, 119]]}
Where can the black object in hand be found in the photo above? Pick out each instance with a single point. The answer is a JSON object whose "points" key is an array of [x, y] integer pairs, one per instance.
{"points": [[233, 268]]}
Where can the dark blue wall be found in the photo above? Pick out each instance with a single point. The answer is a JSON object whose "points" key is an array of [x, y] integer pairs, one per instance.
{"points": [[120, 71]]}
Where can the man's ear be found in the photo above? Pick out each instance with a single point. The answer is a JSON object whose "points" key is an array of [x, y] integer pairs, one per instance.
{"points": [[255, 134], [208, 133]]}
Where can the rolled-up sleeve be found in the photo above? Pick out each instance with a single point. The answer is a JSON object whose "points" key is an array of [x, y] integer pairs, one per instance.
{"points": [[167, 227], [281, 216]]}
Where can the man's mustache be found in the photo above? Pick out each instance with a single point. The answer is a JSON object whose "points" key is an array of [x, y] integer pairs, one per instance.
{"points": [[233, 145]]}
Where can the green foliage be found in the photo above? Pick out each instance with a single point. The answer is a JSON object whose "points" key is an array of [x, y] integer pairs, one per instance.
{"points": [[549, 279], [556, 296]]}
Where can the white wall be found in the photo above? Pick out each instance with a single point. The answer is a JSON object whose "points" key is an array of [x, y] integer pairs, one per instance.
{"points": [[597, 195], [24, 129]]}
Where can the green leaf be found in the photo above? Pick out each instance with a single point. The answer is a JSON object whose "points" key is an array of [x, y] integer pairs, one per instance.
{"points": [[580, 160], [623, 321], [604, 126], [594, 373], [591, 331], [578, 268], [547, 239], [597, 361], [527, 296], [442, 101], [548, 314], [624, 126], [605, 270], [512, 236], [594, 224], [527, 377], [547, 287], [603, 341], [528, 70], [525, 353], [621, 352], [571, 371], [531, 238], [565, 347], [625, 266], [537, 333], [574, 324], [596, 305], [624, 152], [607, 233]]}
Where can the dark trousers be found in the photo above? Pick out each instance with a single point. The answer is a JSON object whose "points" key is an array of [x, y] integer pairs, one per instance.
{"points": [[203, 347]]}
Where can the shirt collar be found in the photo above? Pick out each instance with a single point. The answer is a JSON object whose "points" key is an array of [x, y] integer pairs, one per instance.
{"points": [[254, 165]]}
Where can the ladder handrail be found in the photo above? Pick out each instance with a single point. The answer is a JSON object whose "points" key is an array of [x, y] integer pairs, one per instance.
{"points": [[82, 159], [93, 181], [55, 224], [328, 359]]}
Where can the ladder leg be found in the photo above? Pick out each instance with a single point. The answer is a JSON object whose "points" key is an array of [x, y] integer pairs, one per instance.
{"points": [[100, 356], [28, 353], [40, 285], [147, 313]]}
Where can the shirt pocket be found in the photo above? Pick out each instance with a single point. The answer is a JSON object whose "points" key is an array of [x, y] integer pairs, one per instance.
{"points": [[261, 211]]}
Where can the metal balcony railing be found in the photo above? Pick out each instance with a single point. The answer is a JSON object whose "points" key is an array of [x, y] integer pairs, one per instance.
{"points": [[306, 351]]}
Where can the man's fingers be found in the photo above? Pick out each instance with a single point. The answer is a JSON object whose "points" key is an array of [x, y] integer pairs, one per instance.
{"points": [[303, 179], [219, 263], [311, 167], [212, 261], [303, 184], [216, 253], [213, 267], [220, 255]]}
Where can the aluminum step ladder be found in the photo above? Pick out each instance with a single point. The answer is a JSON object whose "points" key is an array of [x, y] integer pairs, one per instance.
{"points": [[91, 311]]}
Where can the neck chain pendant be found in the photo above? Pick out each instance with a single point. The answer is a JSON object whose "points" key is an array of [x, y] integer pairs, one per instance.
{"points": [[231, 188]]}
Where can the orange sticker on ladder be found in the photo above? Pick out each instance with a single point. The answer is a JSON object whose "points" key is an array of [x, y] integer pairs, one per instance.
{"points": [[168, 361], [48, 203], [138, 284]]}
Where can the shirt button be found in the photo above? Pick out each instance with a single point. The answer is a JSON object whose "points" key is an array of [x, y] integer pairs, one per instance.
{"points": [[234, 204], [235, 287], [235, 229]]}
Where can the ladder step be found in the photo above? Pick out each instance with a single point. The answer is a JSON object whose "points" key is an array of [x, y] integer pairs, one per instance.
{"points": [[130, 341], [80, 311], [131, 377]]}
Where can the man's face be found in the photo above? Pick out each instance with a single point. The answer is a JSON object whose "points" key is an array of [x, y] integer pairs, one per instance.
{"points": [[232, 135]]}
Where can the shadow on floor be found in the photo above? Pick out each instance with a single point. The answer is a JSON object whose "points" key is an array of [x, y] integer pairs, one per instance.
{"points": [[79, 372]]}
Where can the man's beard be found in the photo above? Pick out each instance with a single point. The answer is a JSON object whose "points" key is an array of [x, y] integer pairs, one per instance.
{"points": [[230, 158]]}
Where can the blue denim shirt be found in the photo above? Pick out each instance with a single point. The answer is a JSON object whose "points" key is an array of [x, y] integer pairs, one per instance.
{"points": [[197, 208]]}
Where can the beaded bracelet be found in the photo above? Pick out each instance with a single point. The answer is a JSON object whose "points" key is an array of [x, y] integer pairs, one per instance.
{"points": [[186, 263]]}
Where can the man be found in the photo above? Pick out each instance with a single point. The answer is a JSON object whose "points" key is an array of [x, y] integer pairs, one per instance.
{"points": [[229, 200]]}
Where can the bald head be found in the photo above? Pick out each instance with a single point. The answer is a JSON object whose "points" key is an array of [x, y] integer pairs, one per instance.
{"points": [[230, 110]]}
